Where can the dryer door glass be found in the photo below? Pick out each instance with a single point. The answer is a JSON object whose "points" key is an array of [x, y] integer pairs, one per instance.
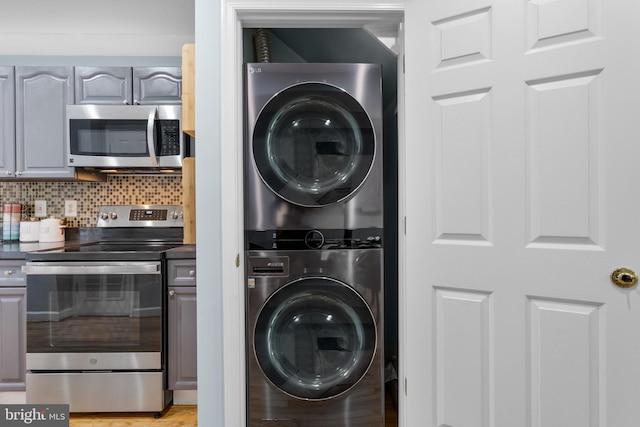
{"points": [[313, 144], [315, 338]]}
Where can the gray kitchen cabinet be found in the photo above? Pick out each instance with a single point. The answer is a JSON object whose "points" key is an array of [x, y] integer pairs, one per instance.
{"points": [[7, 122], [103, 85], [182, 359], [13, 323], [42, 94], [128, 85]]}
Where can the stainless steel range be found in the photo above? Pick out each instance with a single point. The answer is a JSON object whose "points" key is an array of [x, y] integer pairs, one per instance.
{"points": [[96, 315]]}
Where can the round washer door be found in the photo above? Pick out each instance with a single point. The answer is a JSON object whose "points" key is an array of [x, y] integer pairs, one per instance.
{"points": [[315, 338], [313, 144]]}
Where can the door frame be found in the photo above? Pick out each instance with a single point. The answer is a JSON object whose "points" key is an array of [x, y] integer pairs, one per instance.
{"points": [[236, 15]]}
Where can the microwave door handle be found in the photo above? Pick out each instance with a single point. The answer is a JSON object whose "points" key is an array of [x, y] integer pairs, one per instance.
{"points": [[151, 137]]}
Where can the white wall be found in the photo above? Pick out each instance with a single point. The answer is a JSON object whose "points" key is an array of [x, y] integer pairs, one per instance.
{"points": [[141, 28]]}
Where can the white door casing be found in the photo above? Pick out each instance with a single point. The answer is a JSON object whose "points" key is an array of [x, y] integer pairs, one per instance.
{"points": [[227, 388], [519, 202], [517, 190]]}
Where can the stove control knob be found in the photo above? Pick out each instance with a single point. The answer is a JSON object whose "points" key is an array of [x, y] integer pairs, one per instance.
{"points": [[104, 216], [114, 215]]}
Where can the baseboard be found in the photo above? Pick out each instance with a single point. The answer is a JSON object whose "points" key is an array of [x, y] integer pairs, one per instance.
{"points": [[13, 397], [185, 397]]}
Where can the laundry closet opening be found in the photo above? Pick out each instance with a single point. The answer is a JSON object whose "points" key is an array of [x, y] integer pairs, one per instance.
{"points": [[351, 46]]}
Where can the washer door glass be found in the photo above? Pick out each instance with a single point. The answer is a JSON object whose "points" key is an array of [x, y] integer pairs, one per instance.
{"points": [[313, 144], [315, 338]]}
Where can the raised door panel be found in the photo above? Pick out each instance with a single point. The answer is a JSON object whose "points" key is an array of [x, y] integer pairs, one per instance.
{"points": [[7, 122], [42, 94], [566, 352], [157, 85], [462, 171], [103, 85], [182, 343], [463, 335], [564, 172], [13, 347]]}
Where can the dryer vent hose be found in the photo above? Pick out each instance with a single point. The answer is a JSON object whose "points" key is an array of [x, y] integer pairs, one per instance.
{"points": [[262, 44]]}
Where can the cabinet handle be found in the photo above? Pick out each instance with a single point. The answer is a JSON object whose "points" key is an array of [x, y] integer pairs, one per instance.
{"points": [[18, 173], [8, 173], [172, 293]]}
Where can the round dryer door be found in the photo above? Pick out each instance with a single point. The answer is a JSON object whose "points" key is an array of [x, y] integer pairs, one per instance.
{"points": [[315, 338], [313, 144]]}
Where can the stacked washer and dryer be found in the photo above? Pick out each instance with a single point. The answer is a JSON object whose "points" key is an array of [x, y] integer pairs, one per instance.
{"points": [[314, 253]]}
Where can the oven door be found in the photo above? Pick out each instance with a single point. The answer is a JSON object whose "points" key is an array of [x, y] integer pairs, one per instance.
{"points": [[94, 315]]}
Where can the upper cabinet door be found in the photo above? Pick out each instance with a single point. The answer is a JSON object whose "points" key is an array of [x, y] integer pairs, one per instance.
{"points": [[42, 95], [7, 123], [128, 86], [157, 85], [103, 85]]}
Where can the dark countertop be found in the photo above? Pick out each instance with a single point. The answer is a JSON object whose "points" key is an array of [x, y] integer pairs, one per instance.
{"points": [[73, 236], [18, 250], [182, 252]]}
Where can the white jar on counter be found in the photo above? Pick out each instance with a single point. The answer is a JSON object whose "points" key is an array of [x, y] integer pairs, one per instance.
{"points": [[52, 230], [30, 230]]}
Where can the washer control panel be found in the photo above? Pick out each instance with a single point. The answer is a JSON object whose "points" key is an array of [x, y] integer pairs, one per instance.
{"points": [[268, 266]]}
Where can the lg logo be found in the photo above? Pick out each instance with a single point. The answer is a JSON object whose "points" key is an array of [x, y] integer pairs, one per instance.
{"points": [[255, 70]]}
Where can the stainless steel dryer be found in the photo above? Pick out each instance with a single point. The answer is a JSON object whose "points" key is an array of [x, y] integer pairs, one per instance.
{"points": [[315, 326], [313, 146]]}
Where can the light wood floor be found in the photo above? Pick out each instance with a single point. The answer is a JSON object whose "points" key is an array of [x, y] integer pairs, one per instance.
{"points": [[176, 416]]}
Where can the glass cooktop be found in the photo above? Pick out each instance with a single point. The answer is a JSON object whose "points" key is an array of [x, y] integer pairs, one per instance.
{"points": [[105, 251], [118, 247]]}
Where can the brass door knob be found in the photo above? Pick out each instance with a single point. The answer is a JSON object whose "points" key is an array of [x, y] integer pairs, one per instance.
{"points": [[624, 277]]}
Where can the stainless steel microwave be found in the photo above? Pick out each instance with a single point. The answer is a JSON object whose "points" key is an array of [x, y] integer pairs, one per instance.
{"points": [[125, 136]]}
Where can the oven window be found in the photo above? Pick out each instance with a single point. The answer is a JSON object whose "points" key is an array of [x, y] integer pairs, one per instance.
{"points": [[94, 313]]}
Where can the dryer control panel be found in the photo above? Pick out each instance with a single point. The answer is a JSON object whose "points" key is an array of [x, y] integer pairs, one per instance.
{"points": [[325, 239]]}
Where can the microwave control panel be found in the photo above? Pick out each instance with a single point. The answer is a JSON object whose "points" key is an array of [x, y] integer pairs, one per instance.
{"points": [[169, 138]]}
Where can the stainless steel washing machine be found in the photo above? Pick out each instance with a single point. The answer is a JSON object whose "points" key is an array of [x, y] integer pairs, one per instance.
{"points": [[315, 326], [313, 146]]}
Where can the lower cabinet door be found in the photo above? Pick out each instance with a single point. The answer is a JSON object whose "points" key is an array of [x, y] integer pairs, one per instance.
{"points": [[13, 338], [182, 359]]}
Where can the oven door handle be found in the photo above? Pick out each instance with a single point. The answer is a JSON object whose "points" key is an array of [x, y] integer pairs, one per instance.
{"points": [[74, 268]]}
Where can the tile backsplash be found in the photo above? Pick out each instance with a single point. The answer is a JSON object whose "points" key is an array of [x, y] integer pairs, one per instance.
{"points": [[117, 190]]}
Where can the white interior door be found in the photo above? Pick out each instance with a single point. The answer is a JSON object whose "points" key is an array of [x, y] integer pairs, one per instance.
{"points": [[522, 141]]}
